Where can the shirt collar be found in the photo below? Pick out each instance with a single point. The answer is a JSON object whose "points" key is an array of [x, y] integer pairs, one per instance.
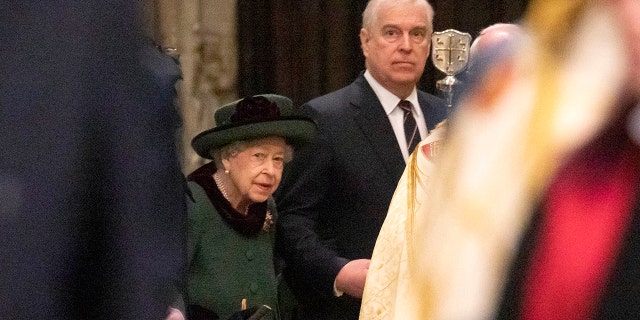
{"points": [[388, 100]]}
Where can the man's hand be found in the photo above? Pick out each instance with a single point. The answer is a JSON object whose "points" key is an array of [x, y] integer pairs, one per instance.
{"points": [[352, 276]]}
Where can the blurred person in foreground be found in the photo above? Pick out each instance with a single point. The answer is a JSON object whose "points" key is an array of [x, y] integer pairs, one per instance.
{"points": [[92, 216], [494, 44], [334, 196], [533, 209], [388, 280], [231, 233], [580, 255]]}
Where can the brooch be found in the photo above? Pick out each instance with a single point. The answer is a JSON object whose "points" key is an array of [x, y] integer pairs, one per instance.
{"points": [[268, 221]]}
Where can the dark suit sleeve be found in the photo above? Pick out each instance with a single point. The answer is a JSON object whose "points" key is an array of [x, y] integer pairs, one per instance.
{"points": [[433, 108], [310, 259], [92, 220]]}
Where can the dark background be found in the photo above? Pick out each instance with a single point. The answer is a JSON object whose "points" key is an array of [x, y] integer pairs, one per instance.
{"points": [[306, 48]]}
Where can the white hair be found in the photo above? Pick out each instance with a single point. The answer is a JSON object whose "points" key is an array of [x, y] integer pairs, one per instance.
{"points": [[370, 13], [232, 149]]}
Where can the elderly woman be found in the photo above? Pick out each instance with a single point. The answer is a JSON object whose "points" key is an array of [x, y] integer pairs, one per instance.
{"points": [[231, 230]]}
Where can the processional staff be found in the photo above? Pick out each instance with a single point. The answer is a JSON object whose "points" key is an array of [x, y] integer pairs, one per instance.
{"points": [[450, 52]]}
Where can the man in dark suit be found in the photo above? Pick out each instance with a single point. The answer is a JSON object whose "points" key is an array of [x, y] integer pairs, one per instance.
{"points": [[335, 195], [530, 198], [92, 213]]}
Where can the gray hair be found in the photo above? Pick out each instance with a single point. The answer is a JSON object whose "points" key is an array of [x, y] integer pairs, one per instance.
{"points": [[232, 149], [370, 13]]}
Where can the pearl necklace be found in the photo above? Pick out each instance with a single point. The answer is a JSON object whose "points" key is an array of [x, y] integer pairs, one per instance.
{"points": [[268, 221], [218, 181], [223, 190]]}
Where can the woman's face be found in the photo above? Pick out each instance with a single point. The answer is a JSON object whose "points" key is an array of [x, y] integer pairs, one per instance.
{"points": [[256, 171]]}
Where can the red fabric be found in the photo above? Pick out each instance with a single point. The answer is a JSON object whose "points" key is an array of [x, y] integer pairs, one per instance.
{"points": [[586, 212]]}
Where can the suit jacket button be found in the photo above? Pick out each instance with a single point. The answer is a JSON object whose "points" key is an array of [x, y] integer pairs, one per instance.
{"points": [[249, 254], [253, 287]]}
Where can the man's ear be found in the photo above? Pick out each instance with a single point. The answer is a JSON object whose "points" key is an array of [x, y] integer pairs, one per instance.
{"points": [[364, 41]]}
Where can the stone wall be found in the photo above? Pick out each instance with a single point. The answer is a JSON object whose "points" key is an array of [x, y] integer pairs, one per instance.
{"points": [[203, 34]]}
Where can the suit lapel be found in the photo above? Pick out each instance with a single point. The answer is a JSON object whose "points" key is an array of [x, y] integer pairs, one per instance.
{"points": [[372, 120]]}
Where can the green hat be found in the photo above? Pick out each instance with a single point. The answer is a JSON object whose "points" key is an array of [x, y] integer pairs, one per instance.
{"points": [[253, 118]]}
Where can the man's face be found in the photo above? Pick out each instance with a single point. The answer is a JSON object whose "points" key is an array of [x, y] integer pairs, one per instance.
{"points": [[397, 44]]}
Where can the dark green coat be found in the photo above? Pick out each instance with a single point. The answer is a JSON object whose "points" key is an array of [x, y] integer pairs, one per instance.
{"points": [[226, 266]]}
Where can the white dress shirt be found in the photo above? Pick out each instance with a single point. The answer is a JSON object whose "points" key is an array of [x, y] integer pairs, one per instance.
{"points": [[396, 116]]}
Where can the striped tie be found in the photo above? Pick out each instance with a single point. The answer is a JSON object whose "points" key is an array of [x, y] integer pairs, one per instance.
{"points": [[410, 126]]}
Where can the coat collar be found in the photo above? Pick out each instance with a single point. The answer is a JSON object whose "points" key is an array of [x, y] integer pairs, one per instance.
{"points": [[372, 120], [248, 225]]}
